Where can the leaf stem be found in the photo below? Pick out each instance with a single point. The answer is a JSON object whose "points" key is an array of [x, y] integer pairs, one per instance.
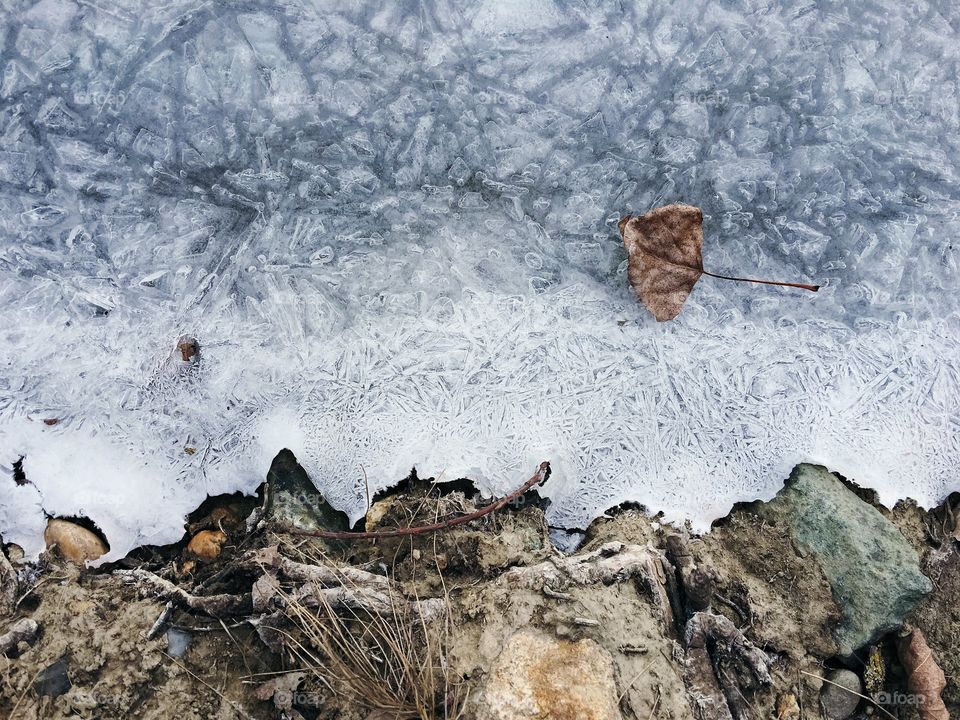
{"points": [[804, 286]]}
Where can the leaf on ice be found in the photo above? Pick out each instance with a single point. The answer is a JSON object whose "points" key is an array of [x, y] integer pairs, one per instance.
{"points": [[664, 249], [665, 258]]}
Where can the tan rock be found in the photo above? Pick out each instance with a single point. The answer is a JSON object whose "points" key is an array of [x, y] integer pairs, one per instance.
{"points": [[206, 544], [74, 542], [537, 677]]}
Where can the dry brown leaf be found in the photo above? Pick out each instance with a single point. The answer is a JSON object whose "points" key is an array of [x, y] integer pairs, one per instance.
{"points": [[924, 677], [787, 707], [665, 258], [664, 249]]}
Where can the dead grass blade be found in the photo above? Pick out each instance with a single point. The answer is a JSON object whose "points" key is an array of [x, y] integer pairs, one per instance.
{"points": [[393, 662]]}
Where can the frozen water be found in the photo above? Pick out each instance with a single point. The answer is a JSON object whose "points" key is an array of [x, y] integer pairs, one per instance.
{"points": [[393, 233]]}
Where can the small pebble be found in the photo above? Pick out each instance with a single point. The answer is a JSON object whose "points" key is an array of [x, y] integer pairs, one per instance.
{"points": [[839, 703], [15, 553]]}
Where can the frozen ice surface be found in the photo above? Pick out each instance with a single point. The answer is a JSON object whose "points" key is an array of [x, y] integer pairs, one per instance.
{"points": [[393, 233]]}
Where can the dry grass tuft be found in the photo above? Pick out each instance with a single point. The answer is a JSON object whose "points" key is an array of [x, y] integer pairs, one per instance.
{"points": [[393, 663]]}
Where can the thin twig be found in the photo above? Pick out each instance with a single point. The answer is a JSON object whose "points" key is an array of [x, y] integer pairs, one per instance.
{"points": [[161, 622], [636, 677], [656, 703], [16, 705], [243, 655]]}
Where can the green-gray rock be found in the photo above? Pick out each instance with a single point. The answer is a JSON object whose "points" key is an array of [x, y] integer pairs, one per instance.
{"points": [[294, 501], [872, 569]]}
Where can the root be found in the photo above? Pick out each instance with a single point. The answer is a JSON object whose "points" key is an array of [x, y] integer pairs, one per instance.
{"points": [[271, 559], [316, 586], [712, 642], [730, 641], [213, 605], [613, 562]]}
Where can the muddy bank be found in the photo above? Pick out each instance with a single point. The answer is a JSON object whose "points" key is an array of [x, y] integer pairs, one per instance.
{"points": [[487, 620]]}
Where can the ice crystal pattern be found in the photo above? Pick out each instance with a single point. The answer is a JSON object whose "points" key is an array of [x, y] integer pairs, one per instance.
{"points": [[393, 233]]}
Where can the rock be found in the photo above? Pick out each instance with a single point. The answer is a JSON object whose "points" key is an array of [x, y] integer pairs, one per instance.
{"points": [[206, 544], [292, 500], [74, 542], [873, 571], [189, 349], [539, 677], [837, 696], [53, 680], [222, 517]]}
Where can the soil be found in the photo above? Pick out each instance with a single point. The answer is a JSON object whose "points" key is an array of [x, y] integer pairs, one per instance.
{"points": [[94, 623]]}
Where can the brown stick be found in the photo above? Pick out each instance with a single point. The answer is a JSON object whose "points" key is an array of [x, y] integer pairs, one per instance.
{"points": [[543, 472]]}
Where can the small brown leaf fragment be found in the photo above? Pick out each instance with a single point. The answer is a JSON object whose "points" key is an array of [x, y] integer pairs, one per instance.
{"points": [[664, 256], [787, 707], [925, 678], [189, 349], [282, 690]]}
